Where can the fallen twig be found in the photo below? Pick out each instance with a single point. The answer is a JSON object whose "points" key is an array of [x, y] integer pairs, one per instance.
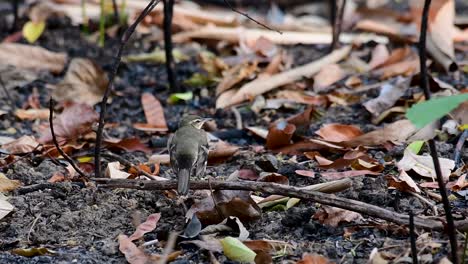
{"points": [[117, 60], [424, 83], [168, 248], [57, 146], [290, 191]]}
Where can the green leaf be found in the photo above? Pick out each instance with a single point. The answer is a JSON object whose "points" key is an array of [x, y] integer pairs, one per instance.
{"points": [[422, 114], [235, 250], [177, 97], [32, 31], [415, 146], [292, 202]]}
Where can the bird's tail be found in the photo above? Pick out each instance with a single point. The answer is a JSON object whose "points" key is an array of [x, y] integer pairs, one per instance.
{"points": [[183, 181]]}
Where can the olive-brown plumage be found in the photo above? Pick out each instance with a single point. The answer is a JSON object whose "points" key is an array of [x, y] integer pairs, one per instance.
{"points": [[188, 150]]}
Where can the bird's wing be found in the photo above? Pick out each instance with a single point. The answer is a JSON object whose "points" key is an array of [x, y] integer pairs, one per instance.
{"points": [[202, 160], [171, 148]]}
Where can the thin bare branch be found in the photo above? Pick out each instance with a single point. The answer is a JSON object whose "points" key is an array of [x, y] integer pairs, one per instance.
{"points": [[117, 60], [57, 146], [424, 83]]}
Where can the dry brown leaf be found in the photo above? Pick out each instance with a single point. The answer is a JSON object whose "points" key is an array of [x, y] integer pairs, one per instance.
{"points": [[338, 132], [75, 120], [24, 144], [305, 173], [263, 85], [32, 114], [314, 259], [221, 151], [397, 55], [127, 144], [154, 113], [379, 56], [327, 76], [32, 57], [397, 133], [403, 182], [280, 134], [460, 184], [7, 185], [229, 203], [424, 166], [145, 227], [84, 82], [133, 254], [441, 30], [404, 68], [235, 75], [333, 216]]}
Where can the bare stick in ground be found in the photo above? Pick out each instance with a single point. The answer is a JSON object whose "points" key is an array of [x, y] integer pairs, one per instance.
{"points": [[117, 60], [116, 12], [414, 251], [337, 23], [170, 66], [57, 146], [289, 191], [424, 83], [14, 5]]}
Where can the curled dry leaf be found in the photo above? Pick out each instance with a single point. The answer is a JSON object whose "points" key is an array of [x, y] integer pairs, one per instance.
{"points": [[389, 95], [338, 132], [333, 216], [424, 166], [327, 76], [403, 182], [24, 144], [280, 134], [75, 120], [154, 114], [84, 82], [32, 57], [114, 171]]}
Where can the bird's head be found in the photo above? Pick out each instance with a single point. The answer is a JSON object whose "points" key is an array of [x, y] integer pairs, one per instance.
{"points": [[193, 120]]}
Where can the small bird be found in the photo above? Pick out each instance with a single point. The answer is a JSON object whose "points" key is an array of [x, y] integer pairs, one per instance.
{"points": [[188, 149]]}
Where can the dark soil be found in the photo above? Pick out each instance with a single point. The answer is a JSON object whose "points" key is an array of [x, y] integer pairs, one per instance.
{"points": [[81, 223]]}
